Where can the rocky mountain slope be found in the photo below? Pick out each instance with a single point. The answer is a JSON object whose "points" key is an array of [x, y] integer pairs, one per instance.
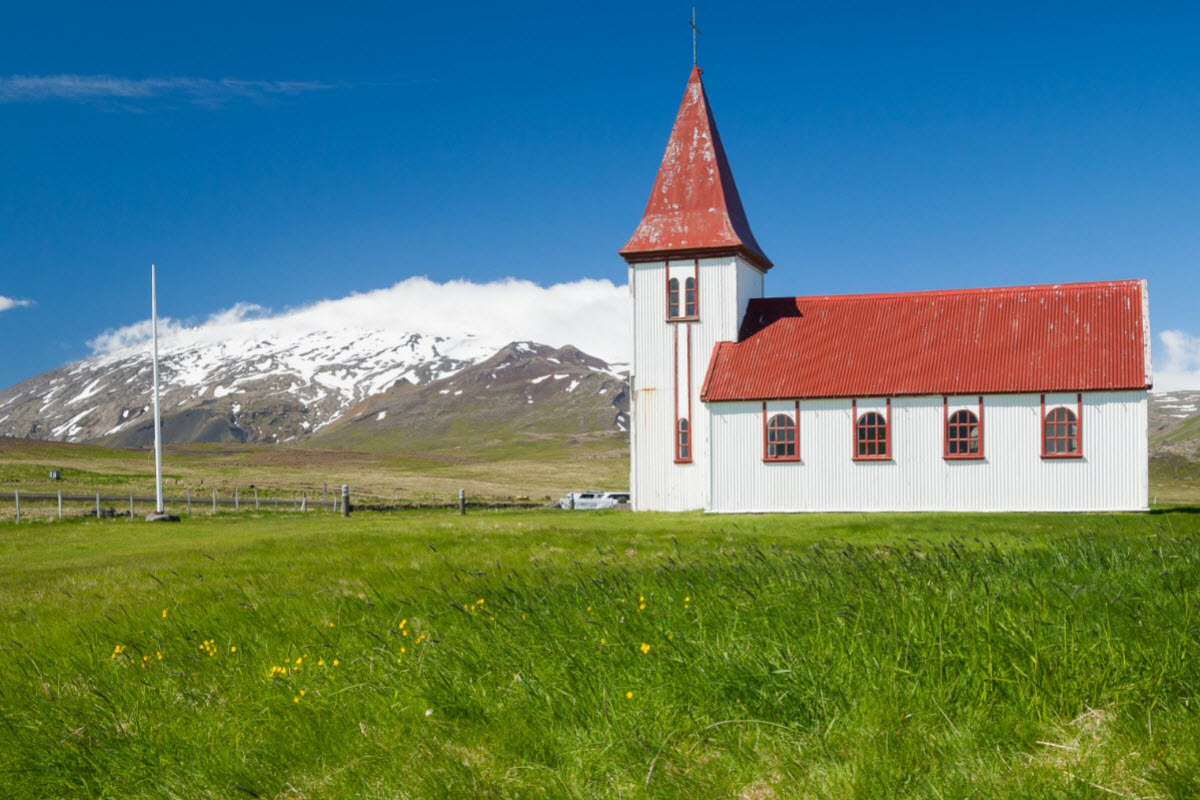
{"points": [[1175, 424], [525, 398], [259, 388]]}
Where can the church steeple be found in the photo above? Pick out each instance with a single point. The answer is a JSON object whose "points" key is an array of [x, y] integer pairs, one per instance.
{"points": [[694, 208]]}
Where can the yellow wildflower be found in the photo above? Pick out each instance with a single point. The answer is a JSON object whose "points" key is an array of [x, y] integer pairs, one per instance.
{"points": [[331, 624], [404, 633], [603, 640], [159, 655], [645, 648], [321, 662], [295, 699], [641, 607], [303, 692], [164, 613], [401, 649], [233, 648], [335, 662], [629, 695], [403, 622]]}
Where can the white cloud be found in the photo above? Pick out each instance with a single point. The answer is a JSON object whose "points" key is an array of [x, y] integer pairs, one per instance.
{"points": [[592, 315], [8, 302], [1181, 367], [128, 92]]}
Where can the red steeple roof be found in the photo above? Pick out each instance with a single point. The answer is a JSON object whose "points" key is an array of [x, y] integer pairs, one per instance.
{"points": [[694, 208]]}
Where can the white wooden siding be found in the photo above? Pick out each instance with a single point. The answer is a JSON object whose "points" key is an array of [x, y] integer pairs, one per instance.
{"points": [[1012, 476]]}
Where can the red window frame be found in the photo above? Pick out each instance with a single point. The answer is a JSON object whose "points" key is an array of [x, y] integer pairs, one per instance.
{"points": [[690, 296], [950, 427], [794, 427], [683, 441], [857, 422], [1066, 436]]}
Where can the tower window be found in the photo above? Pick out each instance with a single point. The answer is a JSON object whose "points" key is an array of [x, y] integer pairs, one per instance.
{"points": [[781, 440], [687, 306], [683, 441], [872, 434]]}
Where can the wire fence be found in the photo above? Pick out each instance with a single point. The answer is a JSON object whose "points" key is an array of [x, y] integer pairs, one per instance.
{"points": [[41, 505]]}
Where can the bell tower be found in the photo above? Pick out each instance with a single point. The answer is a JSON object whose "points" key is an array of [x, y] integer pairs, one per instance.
{"points": [[693, 266]]}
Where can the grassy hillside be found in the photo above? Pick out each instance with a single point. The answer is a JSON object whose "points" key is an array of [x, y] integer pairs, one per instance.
{"points": [[536, 471], [551, 654]]}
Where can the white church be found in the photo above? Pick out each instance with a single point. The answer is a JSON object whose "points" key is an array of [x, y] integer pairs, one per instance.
{"points": [[1014, 398]]}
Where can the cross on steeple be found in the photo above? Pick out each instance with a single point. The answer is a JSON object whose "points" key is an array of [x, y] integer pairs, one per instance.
{"points": [[695, 33]]}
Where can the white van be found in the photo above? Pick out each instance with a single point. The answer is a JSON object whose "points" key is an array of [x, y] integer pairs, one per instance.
{"points": [[594, 500]]}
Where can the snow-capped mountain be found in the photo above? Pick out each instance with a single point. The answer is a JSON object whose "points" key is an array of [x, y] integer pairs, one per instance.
{"points": [[264, 385]]}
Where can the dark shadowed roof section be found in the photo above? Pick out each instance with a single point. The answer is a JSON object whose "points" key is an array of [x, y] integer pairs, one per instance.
{"points": [[694, 208], [1069, 337]]}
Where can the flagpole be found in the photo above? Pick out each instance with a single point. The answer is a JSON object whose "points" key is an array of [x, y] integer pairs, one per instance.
{"points": [[157, 413]]}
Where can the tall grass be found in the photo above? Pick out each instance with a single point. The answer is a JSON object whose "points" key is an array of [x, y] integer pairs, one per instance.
{"points": [[514, 655]]}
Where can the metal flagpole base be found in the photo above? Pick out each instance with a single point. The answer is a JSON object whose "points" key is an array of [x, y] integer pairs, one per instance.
{"points": [[161, 518]]}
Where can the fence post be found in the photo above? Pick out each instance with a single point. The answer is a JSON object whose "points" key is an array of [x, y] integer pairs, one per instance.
{"points": [[256, 499], [97, 505], [345, 499], [304, 502], [324, 491], [237, 503], [214, 501], [462, 501], [17, 497], [189, 499], [131, 505], [60, 503]]}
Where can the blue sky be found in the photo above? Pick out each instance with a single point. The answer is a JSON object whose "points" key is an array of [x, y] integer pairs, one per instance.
{"points": [[288, 153]]}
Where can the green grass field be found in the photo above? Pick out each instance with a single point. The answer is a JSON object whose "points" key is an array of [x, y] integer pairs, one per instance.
{"points": [[549, 654]]}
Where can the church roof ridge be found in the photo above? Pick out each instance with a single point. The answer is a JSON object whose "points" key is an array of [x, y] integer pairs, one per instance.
{"points": [[694, 208]]}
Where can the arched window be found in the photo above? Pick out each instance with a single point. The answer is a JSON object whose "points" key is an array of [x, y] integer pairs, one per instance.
{"points": [[1060, 433], [673, 298], [962, 435], [683, 441], [689, 297], [781, 438], [871, 436]]}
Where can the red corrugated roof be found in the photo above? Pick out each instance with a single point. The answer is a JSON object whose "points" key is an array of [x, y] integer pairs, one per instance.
{"points": [[694, 207], [1069, 337]]}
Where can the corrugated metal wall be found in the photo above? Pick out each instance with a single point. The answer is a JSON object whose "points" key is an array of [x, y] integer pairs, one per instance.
{"points": [[1112, 475], [726, 284]]}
